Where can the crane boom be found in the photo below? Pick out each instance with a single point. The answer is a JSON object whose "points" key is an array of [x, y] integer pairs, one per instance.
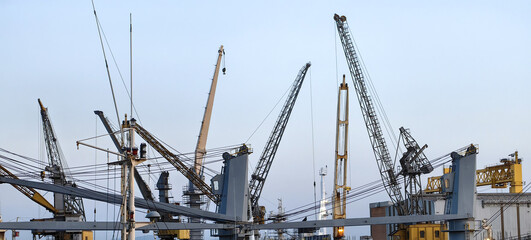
{"points": [[266, 159], [144, 188], [188, 172], [65, 204], [200, 150], [28, 192], [339, 198], [374, 130]]}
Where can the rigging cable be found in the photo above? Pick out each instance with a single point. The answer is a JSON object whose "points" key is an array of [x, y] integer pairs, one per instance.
{"points": [[313, 148], [106, 65]]}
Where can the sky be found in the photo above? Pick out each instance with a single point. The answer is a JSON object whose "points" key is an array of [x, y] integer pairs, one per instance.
{"points": [[453, 72]]}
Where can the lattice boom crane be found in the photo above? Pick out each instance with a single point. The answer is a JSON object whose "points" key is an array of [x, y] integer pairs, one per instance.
{"points": [[379, 146], [266, 159], [65, 204]]}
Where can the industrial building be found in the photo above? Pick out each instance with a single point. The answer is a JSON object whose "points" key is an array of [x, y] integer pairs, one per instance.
{"points": [[515, 216]]}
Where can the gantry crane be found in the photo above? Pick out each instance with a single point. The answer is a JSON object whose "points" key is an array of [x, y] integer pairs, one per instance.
{"points": [[339, 197], [414, 160], [498, 176], [65, 204], [261, 171], [29, 192]]}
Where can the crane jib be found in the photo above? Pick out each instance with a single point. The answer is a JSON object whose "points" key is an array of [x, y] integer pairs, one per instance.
{"points": [[381, 152], [266, 159]]}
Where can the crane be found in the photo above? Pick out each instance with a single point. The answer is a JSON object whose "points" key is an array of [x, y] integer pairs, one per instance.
{"points": [[413, 161], [193, 196], [28, 192], [383, 158], [497, 176], [339, 197], [200, 150], [266, 159], [188, 172], [65, 204], [144, 188]]}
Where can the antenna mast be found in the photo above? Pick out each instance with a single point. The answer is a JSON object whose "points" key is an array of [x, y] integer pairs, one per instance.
{"points": [[131, 57]]}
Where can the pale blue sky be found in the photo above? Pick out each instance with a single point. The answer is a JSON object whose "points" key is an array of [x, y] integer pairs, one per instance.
{"points": [[454, 73]]}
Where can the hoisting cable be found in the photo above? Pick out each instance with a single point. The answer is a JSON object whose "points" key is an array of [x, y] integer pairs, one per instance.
{"points": [[313, 147], [370, 188], [279, 100], [380, 108], [107, 66], [95, 160]]}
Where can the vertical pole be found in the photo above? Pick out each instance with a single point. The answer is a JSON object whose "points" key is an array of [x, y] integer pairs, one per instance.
{"points": [[502, 224], [131, 203], [518, 220], [123, 215], [131, 186], [131, 57]]}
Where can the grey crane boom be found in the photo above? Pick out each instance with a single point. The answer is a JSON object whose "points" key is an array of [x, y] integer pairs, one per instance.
{"points": [[188, 172], [266, 159], [379, 146], [65, 204], [117, 199], [144, 188]]}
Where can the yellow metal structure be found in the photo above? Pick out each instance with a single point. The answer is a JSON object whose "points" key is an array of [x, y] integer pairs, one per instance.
{"points": [[87, 235], [200, 150], [499, 176], [423, 231], [427, 232], [181, 234], [29, 192], [339, 197]]}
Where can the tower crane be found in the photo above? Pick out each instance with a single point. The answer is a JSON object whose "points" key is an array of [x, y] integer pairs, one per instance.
{"points": [[413, 162], [266, 159], [339, 197], [66, 205]]}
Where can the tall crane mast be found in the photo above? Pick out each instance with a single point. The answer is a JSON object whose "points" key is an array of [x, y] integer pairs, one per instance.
{"points": [[65, 204], [200, 150], [194, 197], [266, 159], [413, 161], [339, 198], [379, 146]]}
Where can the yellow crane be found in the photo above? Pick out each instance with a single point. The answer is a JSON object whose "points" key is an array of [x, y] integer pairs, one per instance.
{"points": [[498, 176], [339, 198], [200, 150], [29, 192]]}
